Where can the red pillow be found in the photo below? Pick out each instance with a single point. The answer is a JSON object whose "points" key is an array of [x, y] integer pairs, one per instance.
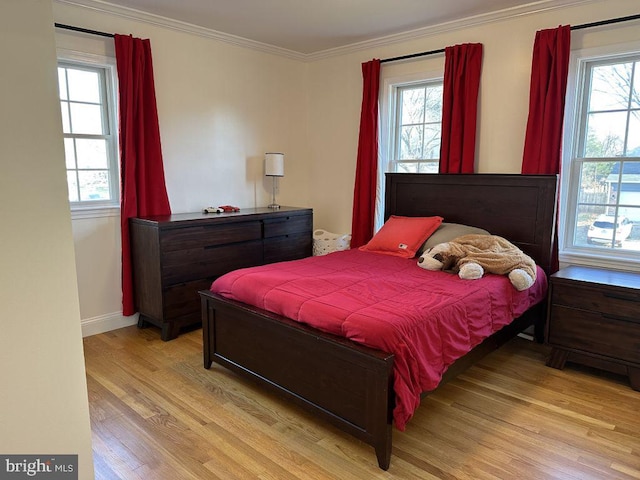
{"points": [[402, 236]]}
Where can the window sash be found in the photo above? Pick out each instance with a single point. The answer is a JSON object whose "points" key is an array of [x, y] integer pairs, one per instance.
{"points": [[108, 134], [430, 120], [580, 205]]}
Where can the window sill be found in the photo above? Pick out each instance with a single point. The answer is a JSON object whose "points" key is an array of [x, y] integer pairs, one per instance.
{"points": [[600, 260], [94, 212]]}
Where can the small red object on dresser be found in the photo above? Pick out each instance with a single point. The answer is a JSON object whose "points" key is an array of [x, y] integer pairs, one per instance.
{"points": [[229, 208]]}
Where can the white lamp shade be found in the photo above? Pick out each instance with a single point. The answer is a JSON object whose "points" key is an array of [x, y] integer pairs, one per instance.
{"points": [[274, 164]]}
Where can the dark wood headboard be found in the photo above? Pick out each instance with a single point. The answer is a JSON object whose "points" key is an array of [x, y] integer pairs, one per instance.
{"points": [[520, 208]]}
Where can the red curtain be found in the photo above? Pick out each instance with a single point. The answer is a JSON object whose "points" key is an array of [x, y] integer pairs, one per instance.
{"points": [[364, 191], [543, 140], [143, 188], [463, 65], [549, 69]]}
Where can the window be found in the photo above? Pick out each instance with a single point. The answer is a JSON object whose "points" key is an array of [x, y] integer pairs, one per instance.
{"points": [[603, 192], [410, 126], [417, 127], [90, 142]]}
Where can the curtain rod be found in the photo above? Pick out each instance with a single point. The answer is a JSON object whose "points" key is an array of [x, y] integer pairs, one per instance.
{"points": [[412, 55], [605, 22], [575, 27], [83, 30]]}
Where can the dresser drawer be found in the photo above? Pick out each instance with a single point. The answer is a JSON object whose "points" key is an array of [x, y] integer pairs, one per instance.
{"points": [[288, 247], [209, 235], [275, 227], [182, 299], [618, 302], [594, 332], [187, 265]]}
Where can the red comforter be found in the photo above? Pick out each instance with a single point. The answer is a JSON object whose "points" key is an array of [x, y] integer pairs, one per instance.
{"points": [[426, 319]]}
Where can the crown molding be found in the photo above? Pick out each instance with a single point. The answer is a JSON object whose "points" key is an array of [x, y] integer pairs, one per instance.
{"points": [[157, 20], [500, 15], [458, 24]]}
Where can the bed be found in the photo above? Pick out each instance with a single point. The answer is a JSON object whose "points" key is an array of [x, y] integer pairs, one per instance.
{"points": [[347, 383]]}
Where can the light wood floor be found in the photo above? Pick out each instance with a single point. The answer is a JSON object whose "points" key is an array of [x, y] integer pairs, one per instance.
{"points": [[156, 413]]}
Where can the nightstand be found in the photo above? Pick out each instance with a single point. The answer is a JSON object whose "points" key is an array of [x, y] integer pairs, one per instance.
{"points": [[594, 319]]}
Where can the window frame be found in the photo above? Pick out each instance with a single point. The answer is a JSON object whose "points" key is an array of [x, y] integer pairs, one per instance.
{"points": [[107, 68], [396, 123], [387, 127], [574, 138]]}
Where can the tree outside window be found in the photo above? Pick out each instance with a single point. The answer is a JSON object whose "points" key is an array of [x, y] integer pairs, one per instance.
{"points": [[418, 127]]}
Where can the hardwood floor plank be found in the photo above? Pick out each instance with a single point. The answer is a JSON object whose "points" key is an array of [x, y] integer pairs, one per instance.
{"points": [[156, 413], [523, 443]]}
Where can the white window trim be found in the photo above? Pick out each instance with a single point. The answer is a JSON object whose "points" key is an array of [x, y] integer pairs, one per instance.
{"points": [[387, 100], [112, 209], [79, 213], [577, 255]]}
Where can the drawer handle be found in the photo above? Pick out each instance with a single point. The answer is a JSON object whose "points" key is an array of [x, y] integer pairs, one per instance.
{"points": [[619, 319], [616, 296]]}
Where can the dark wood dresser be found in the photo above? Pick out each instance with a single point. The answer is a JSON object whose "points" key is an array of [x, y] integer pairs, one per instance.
{"points": [[175, 256], [594, 319]]}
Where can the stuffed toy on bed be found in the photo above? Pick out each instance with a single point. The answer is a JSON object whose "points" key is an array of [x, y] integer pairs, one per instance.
{"points": [[473, 255]]}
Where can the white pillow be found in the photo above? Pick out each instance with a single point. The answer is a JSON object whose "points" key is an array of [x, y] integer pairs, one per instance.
{"points": [[449, 231]]}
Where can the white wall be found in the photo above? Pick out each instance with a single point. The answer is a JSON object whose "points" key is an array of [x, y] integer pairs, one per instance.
{"points": [[43, 397], [222, 106], [336, 87]]}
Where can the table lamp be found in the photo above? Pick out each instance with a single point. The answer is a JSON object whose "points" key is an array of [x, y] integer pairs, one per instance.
{"points": [[274, 168]]}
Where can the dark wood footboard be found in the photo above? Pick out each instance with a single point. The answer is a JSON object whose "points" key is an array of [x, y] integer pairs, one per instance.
{"points": [[343, 382]]}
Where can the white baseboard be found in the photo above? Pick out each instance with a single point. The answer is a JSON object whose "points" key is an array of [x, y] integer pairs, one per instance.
{"points": [[106, 323]]}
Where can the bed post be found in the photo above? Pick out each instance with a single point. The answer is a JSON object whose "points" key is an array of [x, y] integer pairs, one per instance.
{"points": [[206, 313], [381, 417], [379, 405]]}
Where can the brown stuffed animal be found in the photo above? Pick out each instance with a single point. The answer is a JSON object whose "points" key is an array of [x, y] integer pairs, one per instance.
{"points": [[472, 255]]}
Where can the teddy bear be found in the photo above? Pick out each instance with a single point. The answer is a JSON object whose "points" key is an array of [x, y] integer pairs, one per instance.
{"points": [[473, 255]]}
